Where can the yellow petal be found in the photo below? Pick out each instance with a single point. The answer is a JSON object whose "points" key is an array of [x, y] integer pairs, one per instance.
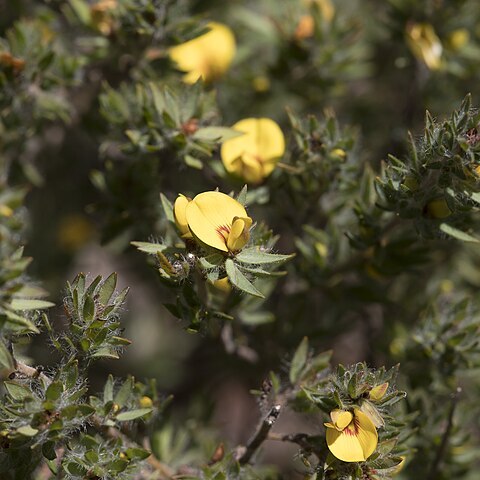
{"points": [[425, 44], [356, 442], [210, 216], [207, 56], [378, 392], [341, 418], [239, 234], [253, 156], [179, 210]]}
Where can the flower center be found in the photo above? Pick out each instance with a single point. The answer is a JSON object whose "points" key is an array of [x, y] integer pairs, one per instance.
{"points": [[352, 428], [224, 231]]}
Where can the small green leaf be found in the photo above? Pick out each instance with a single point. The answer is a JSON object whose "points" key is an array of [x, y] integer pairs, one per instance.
{"points": [[88, 309], [106, 290], [6, 360], [48, 450], [108, 390], [27, 431], [255, 256], [239, 280], [29, 304], [458, 234], [17, 391], [193, 162], [133, 414], [242, 196], [137, 453], [299, 360], [147, 247], [167, 208], [123, 394], [215, 134], [54, 391]]}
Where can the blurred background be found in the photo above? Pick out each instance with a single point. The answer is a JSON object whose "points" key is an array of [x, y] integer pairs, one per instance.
{"points": [[374, 66]]}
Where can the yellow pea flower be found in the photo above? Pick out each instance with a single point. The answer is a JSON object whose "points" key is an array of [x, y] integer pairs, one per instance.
{"points": [[208, 56], [425, 44], [223, 285], [215, 219], [305, 27], [351, 437], [253, 156], [458, 38]]}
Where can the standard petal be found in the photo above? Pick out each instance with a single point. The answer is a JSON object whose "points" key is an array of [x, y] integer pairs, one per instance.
{"points": [[367, 433], [271, 142], [210, 216]]}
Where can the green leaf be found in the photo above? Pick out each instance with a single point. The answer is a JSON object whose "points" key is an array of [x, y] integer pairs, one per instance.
{"points": [[29, 304], [48, 450], [215, 134], [254, 255], [6, 360], [54, 391], [239, 280], [81, 9], [123, 394], [257, 318], [137, 453], [458, 234], [242, 196], [108, 390], [106, 290], [17, 391], [88, 309], [133, 414], [193, 162], [167, 208], [299, 360], [147, 247], [27, 431]]}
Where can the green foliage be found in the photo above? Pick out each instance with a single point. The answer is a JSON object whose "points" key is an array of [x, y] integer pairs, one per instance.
{"points": [[355, 289]]}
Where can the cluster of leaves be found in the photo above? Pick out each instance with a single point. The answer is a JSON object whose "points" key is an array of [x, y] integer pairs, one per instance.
{"points": [[46, 417]]}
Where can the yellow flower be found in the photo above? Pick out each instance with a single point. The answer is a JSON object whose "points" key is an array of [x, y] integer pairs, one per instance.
{"points": [[425, 44], [223, 285], [305, 27], [215, 219], [101, 16], [458, 38], [351, 437], [438, 208], [207, 56], [253, 156]]}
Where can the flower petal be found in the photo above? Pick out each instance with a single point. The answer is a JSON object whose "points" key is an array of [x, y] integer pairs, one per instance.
{"points": [[367, 433], [344, 446], [179, 211], [210, 216], [253, 156], [239, 234], [207, 56], [341, 418]]}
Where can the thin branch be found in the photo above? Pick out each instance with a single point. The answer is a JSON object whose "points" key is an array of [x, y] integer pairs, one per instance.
{"points": [[260, 436], [30, 372], [446, 434]]}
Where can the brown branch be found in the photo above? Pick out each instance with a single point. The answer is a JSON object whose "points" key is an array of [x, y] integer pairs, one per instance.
{"points": [[30, 372], [246, 453]]}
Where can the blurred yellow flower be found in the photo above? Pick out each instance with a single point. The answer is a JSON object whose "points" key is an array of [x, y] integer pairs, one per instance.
{"points": [[351, 437], [208, 56], [305, 27], [438, 208], [458, 38], [253, 156], [74, 231], [425, 44], [223, 284], [101, 17], [215, 219], [325, 6]]}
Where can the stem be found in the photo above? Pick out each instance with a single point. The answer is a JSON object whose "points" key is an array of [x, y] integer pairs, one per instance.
{"points": [[261, 435], [30, 372], [443, 444]]}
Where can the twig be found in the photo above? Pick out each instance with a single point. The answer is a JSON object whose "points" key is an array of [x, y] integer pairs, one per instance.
{"points": [[443, 444], [30, 372], [261, 435]]}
